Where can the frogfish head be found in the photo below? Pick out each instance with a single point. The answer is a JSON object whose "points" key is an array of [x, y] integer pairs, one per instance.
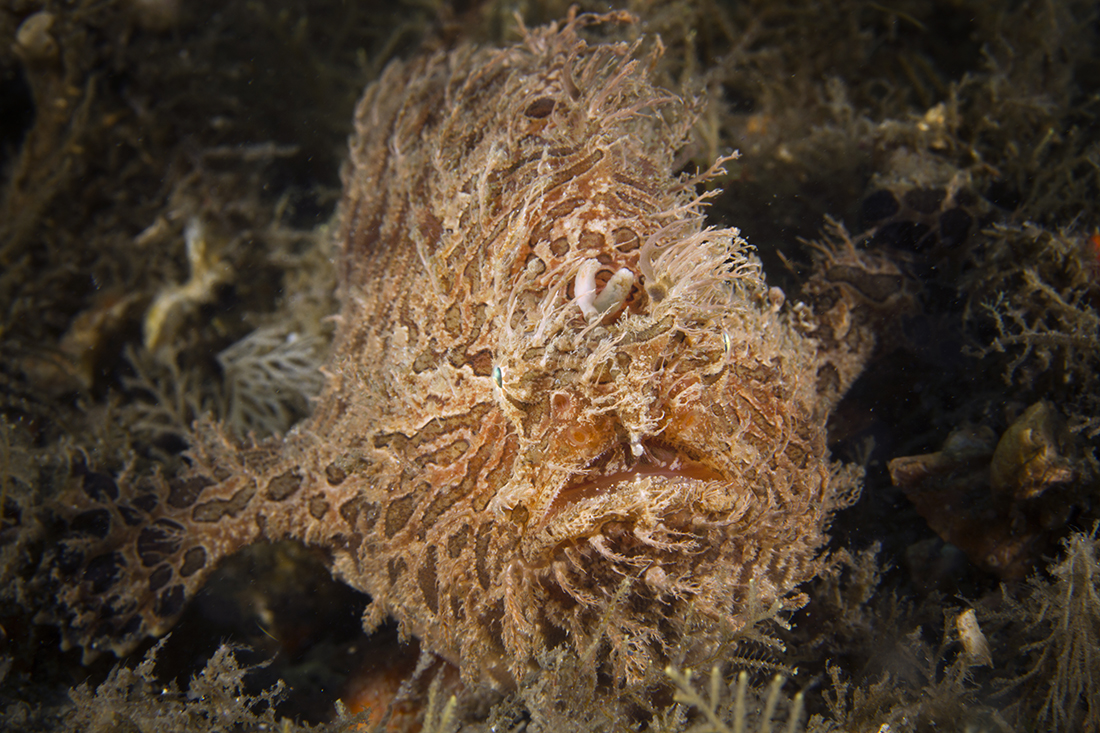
{"points": [[669, 463]]}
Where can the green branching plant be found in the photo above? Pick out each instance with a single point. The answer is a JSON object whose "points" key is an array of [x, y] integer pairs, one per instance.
{"points": [[164, 400], [1061, 687], [1037, 290], [725, 708], [930, 686], [215, 700], [440, 714]]}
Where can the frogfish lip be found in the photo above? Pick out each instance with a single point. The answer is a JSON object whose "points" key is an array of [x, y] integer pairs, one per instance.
{"points": [[660, 465], [601, 485]]}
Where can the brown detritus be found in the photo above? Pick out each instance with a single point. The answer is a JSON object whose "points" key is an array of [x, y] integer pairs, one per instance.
{"points": [[84, 345], [34, 42], [989, 496], [1035, 453], [950, 489]]}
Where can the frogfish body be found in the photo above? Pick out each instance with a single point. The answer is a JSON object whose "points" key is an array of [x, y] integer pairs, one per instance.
{"points": [[562, 419]]}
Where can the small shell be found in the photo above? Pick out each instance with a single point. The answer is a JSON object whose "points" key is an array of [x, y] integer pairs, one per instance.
{"points": [[975, 646]]}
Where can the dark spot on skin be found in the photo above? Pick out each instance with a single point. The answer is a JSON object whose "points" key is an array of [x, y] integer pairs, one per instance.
{"points": [[481, 363], [425, 361], [481, 564], [1004, 194], [561, 245], [145, 502], [170, 602], [965, 197], [398, 513], [130, 516], [626, 240], [100, 486], [457, 541], [391, 441], [131, 627], [452, 320], [449, 454], [909, 235], [335, 475], [215, 509], [13, 515], [194, 560], [69, 560], [159, 578], [283, 486], [182, 493], [102, 571], [520, 515], [534, 265], [828, 380], [318, 507], [350, 511], [877, 287], [738, 100], [540, 108], [395, 568], [591, 240], [95, 522], [157, 541], [426, 578], [371, 512], [605, 373], [574, 171]]}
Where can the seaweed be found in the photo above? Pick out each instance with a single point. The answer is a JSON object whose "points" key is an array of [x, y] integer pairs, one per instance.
{"points": [[1033, 311], [134, 699], [270, 376], [1060, 689], [930, 688], [729, 712], [217, 699]]}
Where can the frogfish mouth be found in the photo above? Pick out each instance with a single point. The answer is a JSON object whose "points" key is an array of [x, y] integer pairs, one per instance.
{"points": [[565, 425]]}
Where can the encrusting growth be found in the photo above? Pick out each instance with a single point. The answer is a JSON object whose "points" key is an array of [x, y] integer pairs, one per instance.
{"points": [[560, 414]]}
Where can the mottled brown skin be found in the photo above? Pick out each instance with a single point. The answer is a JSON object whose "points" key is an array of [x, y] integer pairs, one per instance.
{"points": [[507, 460]]}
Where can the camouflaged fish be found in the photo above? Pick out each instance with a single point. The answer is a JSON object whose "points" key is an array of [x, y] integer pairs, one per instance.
{"points": [[561, 414]]}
